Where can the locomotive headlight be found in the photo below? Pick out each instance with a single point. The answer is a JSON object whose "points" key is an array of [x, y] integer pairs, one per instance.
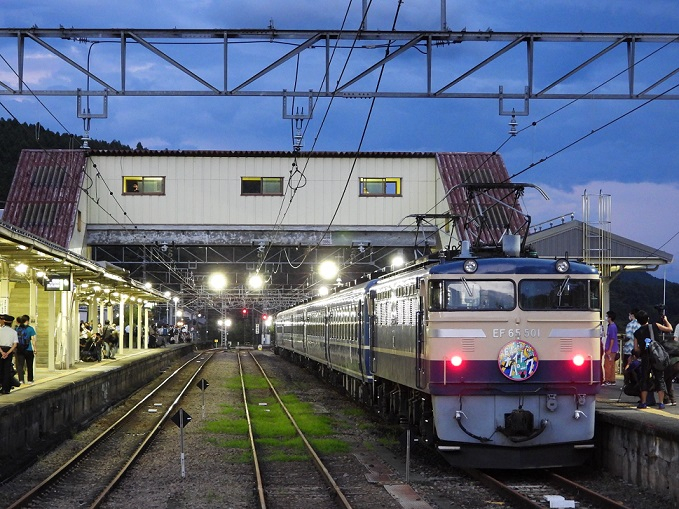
{"points": [[456, 360], [578, 360], [470, 266], [562, 265]]}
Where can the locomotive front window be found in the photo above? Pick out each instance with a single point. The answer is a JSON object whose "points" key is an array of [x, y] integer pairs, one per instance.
{"points": [[471, 295], [563, 293]]}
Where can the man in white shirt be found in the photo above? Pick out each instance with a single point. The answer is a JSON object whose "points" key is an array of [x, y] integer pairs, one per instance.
{"points": [[8, 343]]}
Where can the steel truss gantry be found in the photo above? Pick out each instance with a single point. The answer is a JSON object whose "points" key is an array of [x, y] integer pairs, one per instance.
{"points": [[342, 64]]}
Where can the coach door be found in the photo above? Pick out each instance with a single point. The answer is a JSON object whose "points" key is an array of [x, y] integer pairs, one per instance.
{"points": [[370, 324], [419, 343]]}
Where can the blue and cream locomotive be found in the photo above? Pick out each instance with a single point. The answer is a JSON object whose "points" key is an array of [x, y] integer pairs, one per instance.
{"points": [[493, 360]]}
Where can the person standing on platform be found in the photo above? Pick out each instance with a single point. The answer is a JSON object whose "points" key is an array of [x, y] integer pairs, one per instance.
{"points": [[107, 339], [8, 343], [651, 379], [26, 349], [630, 328], [610, 349]]}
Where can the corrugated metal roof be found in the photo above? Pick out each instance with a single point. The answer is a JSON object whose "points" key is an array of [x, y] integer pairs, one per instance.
{"points": [[43, 199], [255, 153], [483, 220], [566, 238]]}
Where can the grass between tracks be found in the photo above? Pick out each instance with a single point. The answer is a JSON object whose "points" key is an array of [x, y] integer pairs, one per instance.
{"points": [[275, 435]]}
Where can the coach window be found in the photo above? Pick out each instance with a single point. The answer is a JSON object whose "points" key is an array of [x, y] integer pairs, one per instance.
{"points": [[143, 185], [258, 186], [370, 186]]}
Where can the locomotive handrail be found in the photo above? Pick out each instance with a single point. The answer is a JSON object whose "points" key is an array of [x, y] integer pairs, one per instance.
{"points": [[591, 369]]}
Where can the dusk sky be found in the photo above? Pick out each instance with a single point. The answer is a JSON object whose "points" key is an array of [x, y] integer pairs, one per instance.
{"points": [[633, 156]]}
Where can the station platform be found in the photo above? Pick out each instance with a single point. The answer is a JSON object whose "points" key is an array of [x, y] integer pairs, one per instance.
{"points": [[639, 445], [35, 416]]}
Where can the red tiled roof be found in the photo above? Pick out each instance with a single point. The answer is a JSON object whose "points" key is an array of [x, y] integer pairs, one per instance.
{"points": [[43, 199]]}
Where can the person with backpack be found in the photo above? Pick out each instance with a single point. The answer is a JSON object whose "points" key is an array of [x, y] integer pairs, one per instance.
{"points": [[26, 349], [652, 379]]}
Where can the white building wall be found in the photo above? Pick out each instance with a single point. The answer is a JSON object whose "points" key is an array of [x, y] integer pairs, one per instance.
{"points": [[207, 190]]}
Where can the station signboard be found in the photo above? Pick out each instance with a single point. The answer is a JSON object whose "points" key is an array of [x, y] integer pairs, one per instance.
{"points": [[57, 282]]}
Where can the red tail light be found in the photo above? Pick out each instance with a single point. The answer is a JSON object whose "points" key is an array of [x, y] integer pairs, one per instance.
{"points": [[578, 360], [456, 360]]}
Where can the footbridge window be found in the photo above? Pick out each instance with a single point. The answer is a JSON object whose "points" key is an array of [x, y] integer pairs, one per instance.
{"points": [[143, 185], [258, 186], [373, 186]]}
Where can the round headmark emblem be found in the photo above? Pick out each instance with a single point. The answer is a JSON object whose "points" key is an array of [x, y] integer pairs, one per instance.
{"points": [[518, 360]]}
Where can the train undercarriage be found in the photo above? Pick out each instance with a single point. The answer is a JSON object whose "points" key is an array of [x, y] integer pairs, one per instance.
{"points": [[394, 403]]}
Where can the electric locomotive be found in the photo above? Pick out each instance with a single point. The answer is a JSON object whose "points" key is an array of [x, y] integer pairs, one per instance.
{"points": [[492, 359]]}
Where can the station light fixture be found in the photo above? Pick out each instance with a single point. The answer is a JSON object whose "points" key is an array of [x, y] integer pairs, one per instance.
{"points": [[398, 261], [323, 291], [255, 281], [328, 270], [217, 281]]}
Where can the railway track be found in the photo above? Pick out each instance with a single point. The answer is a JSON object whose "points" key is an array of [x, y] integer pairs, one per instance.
{"points": [[279, 485], [86, 479], [541, 489]]}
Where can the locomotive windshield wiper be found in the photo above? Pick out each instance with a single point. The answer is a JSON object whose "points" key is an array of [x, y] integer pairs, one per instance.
{"points": [[564, 285], [466, 286]]}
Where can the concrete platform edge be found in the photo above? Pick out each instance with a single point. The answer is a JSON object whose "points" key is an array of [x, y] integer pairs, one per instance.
{"points": [[35, 418]]}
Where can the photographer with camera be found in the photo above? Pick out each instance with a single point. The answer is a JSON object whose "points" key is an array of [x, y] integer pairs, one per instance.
{"points": [[664, 324]]}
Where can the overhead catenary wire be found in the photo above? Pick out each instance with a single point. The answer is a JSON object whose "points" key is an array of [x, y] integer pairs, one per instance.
{"points": [[570, 145]]}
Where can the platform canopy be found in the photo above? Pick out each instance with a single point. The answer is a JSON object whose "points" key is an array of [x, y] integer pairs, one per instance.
{"points": [[568, 239]]}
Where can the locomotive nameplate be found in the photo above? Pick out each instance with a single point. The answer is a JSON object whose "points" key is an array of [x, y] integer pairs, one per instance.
{"points": [[516, 333]]}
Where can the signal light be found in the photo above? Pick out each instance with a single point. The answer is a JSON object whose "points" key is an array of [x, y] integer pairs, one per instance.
{"points": [[456, 360], [244, 311], [264, 317], [578, 360]]}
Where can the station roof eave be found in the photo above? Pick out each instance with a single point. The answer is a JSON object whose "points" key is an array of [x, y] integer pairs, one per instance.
{"points": [[20, 247], [625, 254]]}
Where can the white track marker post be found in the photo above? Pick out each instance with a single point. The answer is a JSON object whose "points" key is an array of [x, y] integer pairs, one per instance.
{"points": [[181, 419]]}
